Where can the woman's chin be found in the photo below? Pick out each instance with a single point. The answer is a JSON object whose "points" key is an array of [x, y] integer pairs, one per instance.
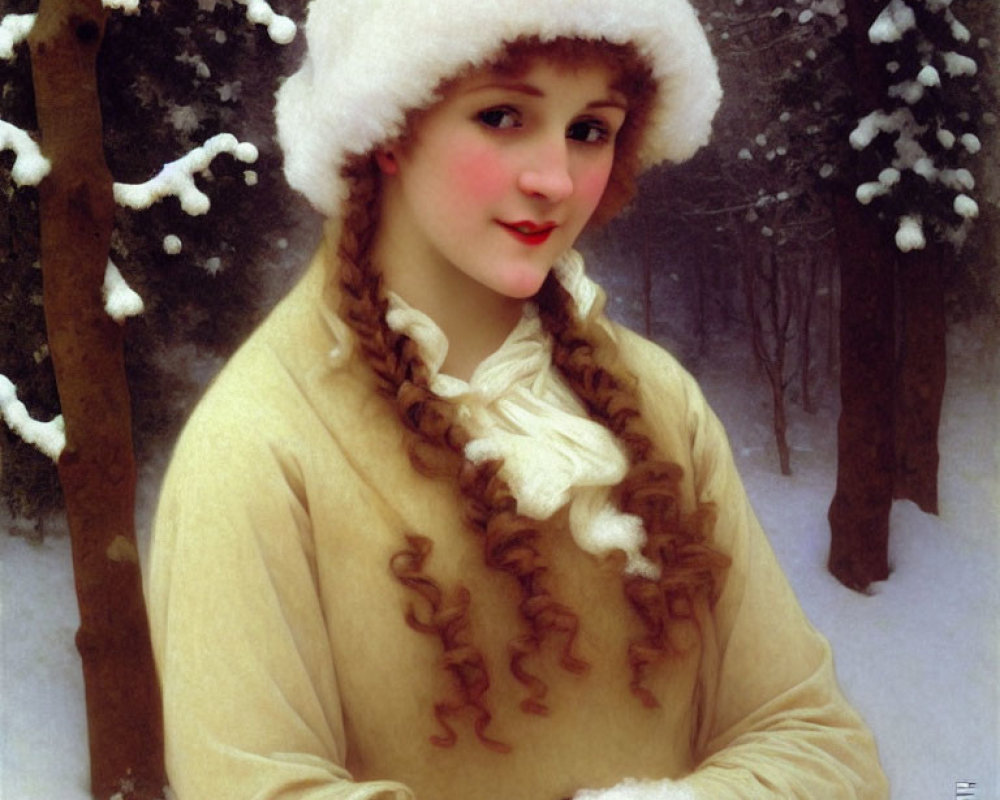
{"points": [[523, 284]]}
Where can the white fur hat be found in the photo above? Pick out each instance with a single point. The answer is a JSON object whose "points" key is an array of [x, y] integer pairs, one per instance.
{"points": [[368, 62]]}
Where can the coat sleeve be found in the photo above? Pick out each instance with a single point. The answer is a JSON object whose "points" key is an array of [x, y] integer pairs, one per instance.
{"points": [[251, 708], [772, 721]]}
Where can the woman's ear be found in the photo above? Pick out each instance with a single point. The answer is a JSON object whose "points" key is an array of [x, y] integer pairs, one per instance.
{"points": [[386, 160]]}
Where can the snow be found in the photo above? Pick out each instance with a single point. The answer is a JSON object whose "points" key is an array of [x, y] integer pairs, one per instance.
{"points": [[971, 143], [956, 65], [895, 20], [127, 6], [212, 265], [14, 29], [120, 300], [30, 166], [172, 244], [281, 29], [911, 92], [918, 657], [958, 30], [966, 207], [957, 179], [177, 177], [910, 234], [929, 76], [49, 437]]}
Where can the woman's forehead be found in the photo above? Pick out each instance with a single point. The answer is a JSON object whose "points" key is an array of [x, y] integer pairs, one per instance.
{"points": [[542, 77]]}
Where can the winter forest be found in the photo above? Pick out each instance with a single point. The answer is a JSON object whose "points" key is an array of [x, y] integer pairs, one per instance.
{"points": [[827, 268]]}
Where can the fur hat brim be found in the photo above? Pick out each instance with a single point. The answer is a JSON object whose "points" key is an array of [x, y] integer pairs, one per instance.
{"points": [[368, 62]]}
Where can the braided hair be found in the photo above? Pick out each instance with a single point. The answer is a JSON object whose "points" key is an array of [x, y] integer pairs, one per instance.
{"points": [[678, 543]]}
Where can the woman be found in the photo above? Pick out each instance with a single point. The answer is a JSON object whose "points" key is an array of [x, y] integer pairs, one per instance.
{"points": [[440, 529]]}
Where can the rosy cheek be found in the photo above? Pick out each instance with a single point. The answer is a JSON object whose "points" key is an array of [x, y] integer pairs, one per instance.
{"points": [[591, 184], [478, 173]]}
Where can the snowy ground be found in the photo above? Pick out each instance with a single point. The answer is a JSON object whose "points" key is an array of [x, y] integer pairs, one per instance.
{"points": [[919, 657]]}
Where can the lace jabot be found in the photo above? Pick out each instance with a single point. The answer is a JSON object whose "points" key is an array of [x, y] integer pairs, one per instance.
{"points": [[517, 408]]}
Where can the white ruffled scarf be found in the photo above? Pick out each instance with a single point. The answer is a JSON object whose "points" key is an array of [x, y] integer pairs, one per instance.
{"points": [[516, 407]]}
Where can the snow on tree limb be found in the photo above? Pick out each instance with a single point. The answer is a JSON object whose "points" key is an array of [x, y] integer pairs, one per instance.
{"points": [[49, 437], [120, 300], [923, 119], [910, 234], [280, 28], [30, 166], [14, 29], [177, 177], [956, 64], [128, 6], [895, 20]]}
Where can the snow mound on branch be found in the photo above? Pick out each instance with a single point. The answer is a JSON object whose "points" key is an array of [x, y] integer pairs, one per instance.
{"points": [[49, 437], [177, 177], [14, 29], [30, 166], [120, 300], [895, 20]]}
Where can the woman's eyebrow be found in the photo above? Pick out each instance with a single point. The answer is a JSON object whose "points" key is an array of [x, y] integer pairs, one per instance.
{"points": [[513, 86], [609, 102], [614, 100]]}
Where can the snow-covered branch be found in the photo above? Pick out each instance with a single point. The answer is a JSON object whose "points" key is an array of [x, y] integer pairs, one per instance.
{"points": [[923, 119], [177, 177], [128, 6], [895, 20], [30, 166], [280, 28], [49, 437], [120, 300], [14, 29]]}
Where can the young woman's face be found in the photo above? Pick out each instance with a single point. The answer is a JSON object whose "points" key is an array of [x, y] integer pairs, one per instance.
{"points": [[501, 177]]}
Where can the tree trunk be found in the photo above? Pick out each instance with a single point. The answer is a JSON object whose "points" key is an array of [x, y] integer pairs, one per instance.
{"points": [[859, 513], [806, 310], [97, 468], [763, 270], [921, 376]]}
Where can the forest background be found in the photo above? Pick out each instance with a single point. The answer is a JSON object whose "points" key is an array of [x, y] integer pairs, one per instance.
{"points": [[731, 259]]}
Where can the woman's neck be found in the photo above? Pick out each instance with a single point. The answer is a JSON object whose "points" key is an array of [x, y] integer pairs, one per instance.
{"points": [[476, 320]]}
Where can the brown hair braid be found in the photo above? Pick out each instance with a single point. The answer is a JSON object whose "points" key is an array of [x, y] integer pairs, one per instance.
{"points": [[509, 539], [677, 543]]}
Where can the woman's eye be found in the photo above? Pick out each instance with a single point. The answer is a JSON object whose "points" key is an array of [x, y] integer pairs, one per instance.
{"points": [[500, 118], [588, 131]]}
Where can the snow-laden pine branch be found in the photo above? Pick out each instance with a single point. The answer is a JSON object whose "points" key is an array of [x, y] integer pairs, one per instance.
{"points": [[120, 300], [895, 20], [49, 437], [280, 28], [30, 166], [922, 141], [177, 177], [14, 29]]}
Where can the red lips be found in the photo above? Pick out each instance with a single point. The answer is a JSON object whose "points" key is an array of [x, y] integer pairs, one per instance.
{"points": [[528, 232]]}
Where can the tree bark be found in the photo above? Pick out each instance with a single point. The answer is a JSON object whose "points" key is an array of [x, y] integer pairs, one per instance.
{"points": [[97, 468], [921, 376], [762, 270], [859, 513]]}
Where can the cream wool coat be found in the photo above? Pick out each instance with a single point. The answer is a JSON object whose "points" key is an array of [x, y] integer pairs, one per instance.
{"points": [[288, 670]]}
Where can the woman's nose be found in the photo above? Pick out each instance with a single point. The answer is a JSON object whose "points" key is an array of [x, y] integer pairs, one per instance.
{"points": [[547, 172]]}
